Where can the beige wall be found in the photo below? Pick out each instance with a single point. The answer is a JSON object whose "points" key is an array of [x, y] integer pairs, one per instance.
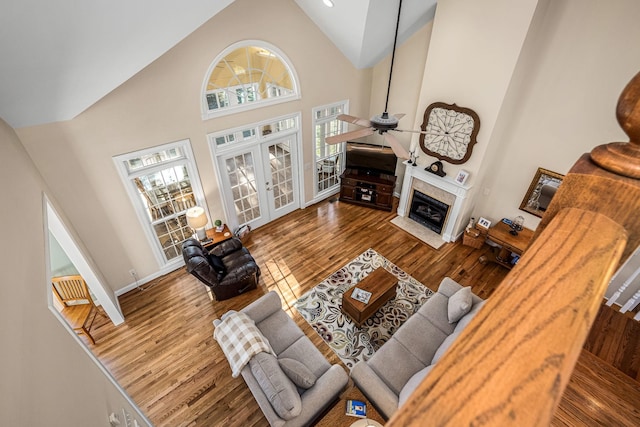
{"points": [[47, 377], [577, 58], [161, 104], [473, 52]]}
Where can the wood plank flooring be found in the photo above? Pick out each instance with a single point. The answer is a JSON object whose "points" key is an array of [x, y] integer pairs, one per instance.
{"points": [[165, 357]]}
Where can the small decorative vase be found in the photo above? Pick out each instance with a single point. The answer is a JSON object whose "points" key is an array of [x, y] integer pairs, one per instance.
{"points": [[472, 223]]}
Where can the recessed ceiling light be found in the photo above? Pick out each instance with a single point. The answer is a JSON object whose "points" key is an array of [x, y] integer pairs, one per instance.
{"points": [[327, 3]]}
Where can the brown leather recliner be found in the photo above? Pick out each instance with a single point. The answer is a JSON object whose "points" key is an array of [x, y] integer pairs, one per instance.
{"points": [[228, 269]]}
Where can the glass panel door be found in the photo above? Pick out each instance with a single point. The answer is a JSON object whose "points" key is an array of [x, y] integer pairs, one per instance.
{"points": [[281, 183], [243, 185], [260, 183]]}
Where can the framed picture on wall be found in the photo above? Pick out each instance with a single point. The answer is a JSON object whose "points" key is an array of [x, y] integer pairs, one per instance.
{"points": [[462, 176]]}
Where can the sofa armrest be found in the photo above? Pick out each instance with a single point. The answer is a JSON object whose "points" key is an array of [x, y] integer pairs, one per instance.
{"points": [[382, 397], [449, 287], [323, 394], [263, 307], [314, 400]]}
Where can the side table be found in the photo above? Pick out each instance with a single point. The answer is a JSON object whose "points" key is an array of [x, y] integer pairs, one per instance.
{"points": [[500, 234], [217, 236], [336, 417]]}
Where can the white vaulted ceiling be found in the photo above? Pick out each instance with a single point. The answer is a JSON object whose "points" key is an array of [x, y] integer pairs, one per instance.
{"points": [[57, 58]]}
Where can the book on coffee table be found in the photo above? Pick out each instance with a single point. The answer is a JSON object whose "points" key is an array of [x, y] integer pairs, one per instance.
{"points": [[361, 295], [356, 408]]}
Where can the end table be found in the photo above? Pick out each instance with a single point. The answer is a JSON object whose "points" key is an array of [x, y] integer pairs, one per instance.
{"points": [[217, 236]]}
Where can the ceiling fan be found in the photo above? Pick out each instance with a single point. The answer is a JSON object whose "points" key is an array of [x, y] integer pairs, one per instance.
{"points": [[382, 123]]}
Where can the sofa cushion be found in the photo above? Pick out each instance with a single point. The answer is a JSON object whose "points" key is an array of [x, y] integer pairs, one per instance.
{"points": [[277, 387], [297, 372], [304, 351], [395, 364], [435, 310], [280, 330], [420, 337], [444, 347], [412, 384], [459, 304]]}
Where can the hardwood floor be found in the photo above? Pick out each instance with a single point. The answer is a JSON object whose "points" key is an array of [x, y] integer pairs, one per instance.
{"points": [[165, 357]]}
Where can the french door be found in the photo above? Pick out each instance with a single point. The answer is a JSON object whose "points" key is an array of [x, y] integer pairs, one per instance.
{"points": [[259, 174]]}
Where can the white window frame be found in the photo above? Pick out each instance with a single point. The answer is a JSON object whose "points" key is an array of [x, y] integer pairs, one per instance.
{"points": [[133, 193], [319, 195], [264, 102]]}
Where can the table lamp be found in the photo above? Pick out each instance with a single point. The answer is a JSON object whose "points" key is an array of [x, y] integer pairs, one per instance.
{"points": [[197, 220]]}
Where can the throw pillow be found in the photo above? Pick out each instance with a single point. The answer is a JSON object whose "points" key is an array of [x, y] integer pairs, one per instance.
{"points": [[218, 265], [277, 387], [459, 304], [297, 372]]}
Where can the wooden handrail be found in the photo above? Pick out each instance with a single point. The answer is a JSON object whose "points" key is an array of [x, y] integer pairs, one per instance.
{"points": [[511, 364]]}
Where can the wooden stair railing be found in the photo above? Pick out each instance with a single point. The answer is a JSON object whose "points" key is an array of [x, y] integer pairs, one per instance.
{"points": [[511, 364]]}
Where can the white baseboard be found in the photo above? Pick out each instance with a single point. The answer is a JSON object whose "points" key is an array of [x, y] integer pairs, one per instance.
{"points": [[144, 280]]}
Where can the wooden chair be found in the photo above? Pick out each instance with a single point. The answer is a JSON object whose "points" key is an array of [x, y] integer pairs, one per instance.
{"points": [[79, 309]]}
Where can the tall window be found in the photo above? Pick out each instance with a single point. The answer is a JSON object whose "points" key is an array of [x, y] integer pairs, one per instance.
{"points": [[247, 75], [329, 159], [163, 184]]}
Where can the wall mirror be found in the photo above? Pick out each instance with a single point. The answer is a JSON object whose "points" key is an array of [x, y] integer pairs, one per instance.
{"points": [[543, 187]]}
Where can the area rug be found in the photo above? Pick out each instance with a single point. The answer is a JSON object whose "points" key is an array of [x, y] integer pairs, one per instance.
{"points": [[321, 308]]}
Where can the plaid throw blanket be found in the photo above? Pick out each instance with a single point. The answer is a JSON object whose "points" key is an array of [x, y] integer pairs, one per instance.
{"points": [[240, 340]]}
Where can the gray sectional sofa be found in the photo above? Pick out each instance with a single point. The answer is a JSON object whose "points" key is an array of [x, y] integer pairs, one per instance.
{"points": [[390, 376], [294, 383]]}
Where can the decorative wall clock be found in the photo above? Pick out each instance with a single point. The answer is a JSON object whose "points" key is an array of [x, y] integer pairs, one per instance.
{"points": [[449, 132]]}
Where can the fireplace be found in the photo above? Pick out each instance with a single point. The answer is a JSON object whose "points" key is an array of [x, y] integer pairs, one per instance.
{"points": [[443, 189], [428, 211]]}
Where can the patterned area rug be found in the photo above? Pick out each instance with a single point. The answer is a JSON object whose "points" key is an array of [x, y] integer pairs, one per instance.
{"points": [[321, 308]]}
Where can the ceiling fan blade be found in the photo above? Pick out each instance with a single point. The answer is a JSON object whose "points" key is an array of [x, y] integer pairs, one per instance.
{"points": [[355, 120], [412, 131], [399, 115], [336, 139], [397, 148]]}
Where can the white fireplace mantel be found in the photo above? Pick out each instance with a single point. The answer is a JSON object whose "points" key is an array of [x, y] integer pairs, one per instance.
{"points": [[461, 192]]}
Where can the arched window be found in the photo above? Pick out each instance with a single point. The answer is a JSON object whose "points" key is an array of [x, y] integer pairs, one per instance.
{"points": [[247, 75]]}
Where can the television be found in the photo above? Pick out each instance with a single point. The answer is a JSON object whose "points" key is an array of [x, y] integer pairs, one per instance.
{"points": [[370, 159]]}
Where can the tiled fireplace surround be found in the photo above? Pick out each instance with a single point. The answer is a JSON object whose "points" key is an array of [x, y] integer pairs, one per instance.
{"points": [[444, 189]]}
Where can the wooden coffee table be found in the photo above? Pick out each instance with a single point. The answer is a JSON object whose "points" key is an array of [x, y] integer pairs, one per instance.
{"points": [[382, 286]]}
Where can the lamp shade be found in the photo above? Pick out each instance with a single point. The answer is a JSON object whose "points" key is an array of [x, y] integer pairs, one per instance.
{"points": [[196, 218]]}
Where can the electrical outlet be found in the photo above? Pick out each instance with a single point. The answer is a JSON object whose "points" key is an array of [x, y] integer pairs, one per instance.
{"points": [[133, 273]]}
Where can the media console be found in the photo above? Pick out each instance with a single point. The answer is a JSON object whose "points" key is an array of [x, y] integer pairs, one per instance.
{"points": [[361, 188]]}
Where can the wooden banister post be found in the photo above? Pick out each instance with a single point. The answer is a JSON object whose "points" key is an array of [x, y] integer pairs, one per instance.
{"points": [[607, 180]]}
